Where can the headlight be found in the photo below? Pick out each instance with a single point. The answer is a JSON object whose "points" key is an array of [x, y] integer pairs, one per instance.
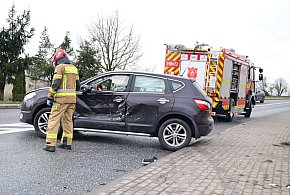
{"points": [[29, 96]]}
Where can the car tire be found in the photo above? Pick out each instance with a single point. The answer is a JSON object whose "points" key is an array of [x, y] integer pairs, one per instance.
{"points": [[41, 120], [262, 100], [174, 134]]}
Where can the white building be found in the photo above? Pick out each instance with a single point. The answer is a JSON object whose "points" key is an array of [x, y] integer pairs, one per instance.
{"points": [[30, 85]]}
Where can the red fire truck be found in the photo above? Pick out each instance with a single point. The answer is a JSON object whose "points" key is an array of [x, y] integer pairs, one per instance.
{"points": [[228, 78]]}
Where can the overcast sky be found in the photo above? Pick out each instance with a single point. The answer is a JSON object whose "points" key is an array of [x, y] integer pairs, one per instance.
{"points": [[257, 28]]}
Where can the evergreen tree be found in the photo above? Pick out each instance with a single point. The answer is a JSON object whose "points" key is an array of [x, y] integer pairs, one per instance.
{"points": [[42, 66], [88, 62], [12, 42], [3, 64], [19, 87], [66, 45]]}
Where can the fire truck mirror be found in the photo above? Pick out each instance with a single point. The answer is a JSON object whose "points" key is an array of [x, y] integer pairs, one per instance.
{"points": [[260, 70], [260, 77]]}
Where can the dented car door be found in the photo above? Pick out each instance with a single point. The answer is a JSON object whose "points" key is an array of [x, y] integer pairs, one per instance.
{"points": [[106, 101], [149, 99]]}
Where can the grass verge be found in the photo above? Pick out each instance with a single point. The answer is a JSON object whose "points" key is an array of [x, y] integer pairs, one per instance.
{"points": [[9, 102]]}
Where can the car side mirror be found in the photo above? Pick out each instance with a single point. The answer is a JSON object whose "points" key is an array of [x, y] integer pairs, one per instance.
{"points": [[260, 77], [86, 89]]}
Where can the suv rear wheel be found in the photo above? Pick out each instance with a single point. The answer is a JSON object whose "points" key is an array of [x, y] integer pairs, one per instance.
{"points": [[174, 134]]}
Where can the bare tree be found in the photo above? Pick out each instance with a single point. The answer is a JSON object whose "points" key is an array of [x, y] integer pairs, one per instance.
{"points": [[118, 49], [271, 89], [263, 85], [280, 85]]}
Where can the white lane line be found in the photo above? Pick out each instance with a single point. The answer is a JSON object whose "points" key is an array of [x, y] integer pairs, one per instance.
{"points": [[15, 130], [260, 105], [16, 125], [7, 128]]}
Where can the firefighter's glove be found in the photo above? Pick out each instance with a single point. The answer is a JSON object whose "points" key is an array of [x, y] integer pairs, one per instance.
{"points": [[49, 102]]}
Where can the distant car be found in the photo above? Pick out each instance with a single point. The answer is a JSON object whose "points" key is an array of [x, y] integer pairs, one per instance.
{"points": [[260, 95], [172, 108]]}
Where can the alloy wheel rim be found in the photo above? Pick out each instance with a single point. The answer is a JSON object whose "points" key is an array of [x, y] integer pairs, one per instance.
{"points": [[43, 121], [174, 134]]}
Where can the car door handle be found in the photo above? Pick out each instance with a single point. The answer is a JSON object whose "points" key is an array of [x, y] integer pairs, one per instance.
{"points": [[162, 100], [118, 99]]}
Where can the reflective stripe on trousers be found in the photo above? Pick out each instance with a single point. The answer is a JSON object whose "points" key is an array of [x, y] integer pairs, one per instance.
{"points": [[63, 113]]}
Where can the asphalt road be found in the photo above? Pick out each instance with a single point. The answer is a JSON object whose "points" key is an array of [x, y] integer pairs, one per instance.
{"points": [[269, 108], [95, 159], [8, 116]]}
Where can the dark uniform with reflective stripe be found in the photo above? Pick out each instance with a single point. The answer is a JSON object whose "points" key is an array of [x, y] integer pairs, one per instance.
{"points": [[65, 85]]}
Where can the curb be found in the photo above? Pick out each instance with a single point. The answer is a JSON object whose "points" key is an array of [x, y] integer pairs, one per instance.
{"points": [[9, 106]]}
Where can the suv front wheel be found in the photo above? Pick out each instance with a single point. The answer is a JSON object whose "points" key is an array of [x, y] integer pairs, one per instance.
{"points": [[40, 121], [174, 134]]}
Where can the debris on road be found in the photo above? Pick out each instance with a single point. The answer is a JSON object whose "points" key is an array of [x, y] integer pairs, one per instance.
{"points": [[273, 184], [147, 161]]}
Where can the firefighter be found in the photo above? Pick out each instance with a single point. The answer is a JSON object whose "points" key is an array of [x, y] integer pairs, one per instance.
{"points": [[62, 98]]}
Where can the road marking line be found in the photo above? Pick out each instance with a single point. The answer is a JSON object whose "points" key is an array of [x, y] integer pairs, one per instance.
{"points": [[272, 104], [15, 130], [16, 125]]}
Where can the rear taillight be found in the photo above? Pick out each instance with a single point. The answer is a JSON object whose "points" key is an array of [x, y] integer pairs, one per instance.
{"points": [[203, 105]]}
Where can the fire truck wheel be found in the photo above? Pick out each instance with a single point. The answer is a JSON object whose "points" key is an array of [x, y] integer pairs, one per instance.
{"points": [[174, 134], [249, 111], [230, 115]]}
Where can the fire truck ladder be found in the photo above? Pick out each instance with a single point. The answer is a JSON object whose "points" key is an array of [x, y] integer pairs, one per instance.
{"points": [[212, 76]]}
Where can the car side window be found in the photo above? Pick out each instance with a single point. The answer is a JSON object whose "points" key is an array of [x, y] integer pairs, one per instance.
{"points": [[176, 85], [149, 84], [116, 83]]}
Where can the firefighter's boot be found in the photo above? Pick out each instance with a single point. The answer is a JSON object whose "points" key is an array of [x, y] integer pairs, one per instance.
{"points": [[64, 145], [49, 148]]}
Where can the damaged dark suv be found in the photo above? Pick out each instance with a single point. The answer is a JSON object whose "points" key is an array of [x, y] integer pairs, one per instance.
{"points": [[174, 109]]}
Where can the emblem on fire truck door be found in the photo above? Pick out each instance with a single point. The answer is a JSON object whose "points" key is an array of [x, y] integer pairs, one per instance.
{"points": [[192, 73]]}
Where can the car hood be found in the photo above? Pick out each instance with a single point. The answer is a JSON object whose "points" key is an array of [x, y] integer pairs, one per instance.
{"points": [[39, 89]]}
